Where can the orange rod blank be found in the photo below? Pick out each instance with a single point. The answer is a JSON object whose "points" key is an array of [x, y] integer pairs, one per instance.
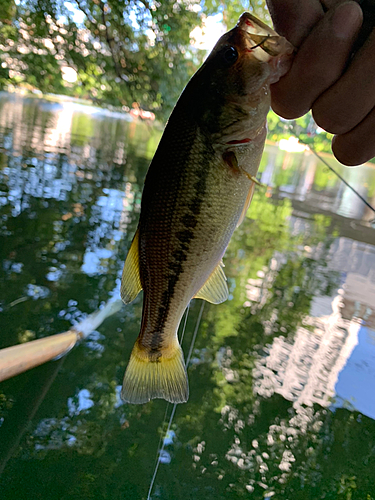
{"points": [[22, 357]]}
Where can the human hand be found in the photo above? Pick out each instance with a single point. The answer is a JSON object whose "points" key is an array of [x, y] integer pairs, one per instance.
{"points": [[339, 89]]}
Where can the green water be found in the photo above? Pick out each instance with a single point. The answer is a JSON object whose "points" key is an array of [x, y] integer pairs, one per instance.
{"points": [[282, 375]]}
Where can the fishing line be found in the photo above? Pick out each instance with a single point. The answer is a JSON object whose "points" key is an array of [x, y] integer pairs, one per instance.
{"points": [[160, 447], [195, 334], [158, 452], [187, 361], [167, 406], [333, 170]]}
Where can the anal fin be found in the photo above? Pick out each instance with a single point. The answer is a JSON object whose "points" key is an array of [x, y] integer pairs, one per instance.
{"points": [[215, 290], [131, 281]]}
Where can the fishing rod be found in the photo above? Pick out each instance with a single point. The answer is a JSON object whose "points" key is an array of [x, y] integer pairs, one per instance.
{"points": [[22, 357]]}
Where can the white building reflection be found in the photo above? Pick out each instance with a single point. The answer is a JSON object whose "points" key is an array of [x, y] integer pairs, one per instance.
{"points": [[306, 370], [331, 359]]}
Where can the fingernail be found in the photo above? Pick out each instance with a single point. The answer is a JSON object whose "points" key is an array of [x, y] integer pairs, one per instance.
{"points": [[347, 20]]}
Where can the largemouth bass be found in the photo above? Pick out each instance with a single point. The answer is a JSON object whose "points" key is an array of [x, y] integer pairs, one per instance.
{"points": [[197, 190]]}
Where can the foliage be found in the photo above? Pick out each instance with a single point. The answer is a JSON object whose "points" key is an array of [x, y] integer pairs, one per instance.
{"points": [[121, 51], [304, 128], [232, 10]]}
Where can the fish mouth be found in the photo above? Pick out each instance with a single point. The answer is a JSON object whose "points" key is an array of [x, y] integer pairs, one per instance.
{"points": [[263, 41], [254, 26]]}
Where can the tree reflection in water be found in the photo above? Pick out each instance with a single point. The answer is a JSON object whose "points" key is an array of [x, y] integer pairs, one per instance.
{"points": [[265, 417]]}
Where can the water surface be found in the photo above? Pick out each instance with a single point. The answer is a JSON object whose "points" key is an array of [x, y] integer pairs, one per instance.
{"points": [[282, 375]]}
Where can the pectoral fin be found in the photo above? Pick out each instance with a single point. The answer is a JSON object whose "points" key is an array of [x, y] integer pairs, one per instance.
{"points": [[231, 160], [131, 281], [247, 204], [215, 290]]}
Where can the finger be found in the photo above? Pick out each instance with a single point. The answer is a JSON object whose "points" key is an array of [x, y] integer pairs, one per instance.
{"points": [[328, 4], [358, 145], [349, 100], [319, 62], [294, 19]]}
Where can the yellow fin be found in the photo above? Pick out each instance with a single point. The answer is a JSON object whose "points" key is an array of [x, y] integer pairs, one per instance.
{"points": [[165, 377], [131, 281], [247, 204], [215, 290]]}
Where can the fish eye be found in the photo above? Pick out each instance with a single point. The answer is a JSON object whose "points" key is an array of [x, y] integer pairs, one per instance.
{"points": [[230, 55]]}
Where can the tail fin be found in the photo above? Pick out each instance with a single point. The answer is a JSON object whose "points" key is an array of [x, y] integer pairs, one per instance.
{"points": [[164, 377]]}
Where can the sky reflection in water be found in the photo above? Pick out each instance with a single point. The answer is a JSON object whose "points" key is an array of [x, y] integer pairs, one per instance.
{"points": [[282, 375]]}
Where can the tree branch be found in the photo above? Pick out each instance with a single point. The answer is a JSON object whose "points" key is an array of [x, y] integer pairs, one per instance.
{"points": [[110, 41]]}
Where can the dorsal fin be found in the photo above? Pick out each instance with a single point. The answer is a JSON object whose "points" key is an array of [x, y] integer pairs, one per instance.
{"points": [[131, 280], [215, 290]]}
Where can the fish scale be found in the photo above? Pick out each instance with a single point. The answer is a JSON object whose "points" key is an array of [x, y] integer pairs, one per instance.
{"points": [[214, 219], [197, 190]]}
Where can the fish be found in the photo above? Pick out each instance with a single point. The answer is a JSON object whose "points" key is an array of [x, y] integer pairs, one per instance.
{"points": [[197, 191]]}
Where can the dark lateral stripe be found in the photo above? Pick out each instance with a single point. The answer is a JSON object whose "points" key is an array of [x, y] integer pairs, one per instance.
{"points": [[189, 221], [185, 236]]}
